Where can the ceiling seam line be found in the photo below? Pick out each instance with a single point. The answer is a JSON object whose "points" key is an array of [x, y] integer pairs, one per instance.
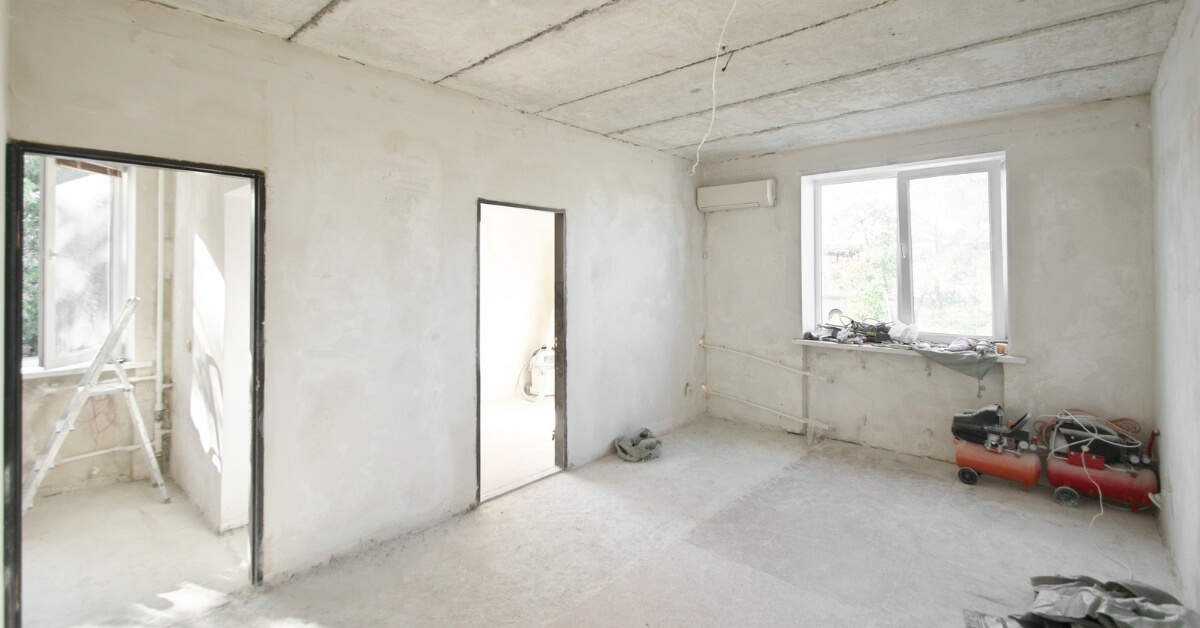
{"points": [[160, 3], [577, 16], [896, 64], [730, 52], [316, 17], [828, 142], [921, 100]]}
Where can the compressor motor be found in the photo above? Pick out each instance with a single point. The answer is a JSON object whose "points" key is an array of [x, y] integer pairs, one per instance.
{"points": [[986, 426]]}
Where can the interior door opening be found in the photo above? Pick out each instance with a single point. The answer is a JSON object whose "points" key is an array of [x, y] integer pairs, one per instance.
{"points": [[522, 347], [133, 347]]}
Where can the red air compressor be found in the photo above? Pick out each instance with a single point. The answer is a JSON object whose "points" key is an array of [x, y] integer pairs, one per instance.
{"points": [[1100, 458], [986, 444]]}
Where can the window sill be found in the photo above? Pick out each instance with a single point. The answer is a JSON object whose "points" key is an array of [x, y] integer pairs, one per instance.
{"points": [[905, 351], [37, 372]]}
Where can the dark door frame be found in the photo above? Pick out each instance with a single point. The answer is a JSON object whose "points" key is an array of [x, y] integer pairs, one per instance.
{"points": [[560, 338], [12, 349]]}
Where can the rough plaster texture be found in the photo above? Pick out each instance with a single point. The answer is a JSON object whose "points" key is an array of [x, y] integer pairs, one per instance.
{"points": [[276, 17], [1176, 101], [1080, 282], [372, 182], [103, 423], [1116, 80], [641, 71], [1004, 61], [972, 45], [547, 73], [433, 40]]}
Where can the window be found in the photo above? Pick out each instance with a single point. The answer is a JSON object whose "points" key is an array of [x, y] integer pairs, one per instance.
{"points": [[75, 258], [921, 242]]}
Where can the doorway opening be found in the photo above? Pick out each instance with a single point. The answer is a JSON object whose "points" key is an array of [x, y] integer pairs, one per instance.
{"points": [[133, 397], [522, 355]]}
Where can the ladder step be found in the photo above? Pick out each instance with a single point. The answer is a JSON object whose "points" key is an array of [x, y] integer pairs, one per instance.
{"points": [[108, 389]]}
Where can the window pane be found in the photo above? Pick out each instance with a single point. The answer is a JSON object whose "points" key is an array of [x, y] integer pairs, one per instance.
{"points": [[951, 254], [858, 249], [83, 210]]}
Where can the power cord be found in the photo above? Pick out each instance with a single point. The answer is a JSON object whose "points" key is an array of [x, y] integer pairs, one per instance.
{"points": [[1100, 496], [1085, 446], [716, 61]]}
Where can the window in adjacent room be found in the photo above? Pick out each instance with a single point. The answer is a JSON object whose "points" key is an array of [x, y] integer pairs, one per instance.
{"points": [[75, 258], [921, 242]]}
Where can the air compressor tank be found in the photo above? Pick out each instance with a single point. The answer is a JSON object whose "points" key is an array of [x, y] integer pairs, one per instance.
{"points": [[1022, 467], [1132, 486]]}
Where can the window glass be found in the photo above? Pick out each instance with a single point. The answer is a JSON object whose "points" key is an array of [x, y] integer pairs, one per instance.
{"points": [[951, 254], [82, 222], [858, 249]]}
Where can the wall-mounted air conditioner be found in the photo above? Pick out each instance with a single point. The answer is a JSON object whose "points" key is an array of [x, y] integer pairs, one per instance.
{"points": [[747, 195]]}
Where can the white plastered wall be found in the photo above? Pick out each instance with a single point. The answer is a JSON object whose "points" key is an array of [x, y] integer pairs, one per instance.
{"points": [[372, 182], [1176, 99], [211, 345], [1080, 232]]}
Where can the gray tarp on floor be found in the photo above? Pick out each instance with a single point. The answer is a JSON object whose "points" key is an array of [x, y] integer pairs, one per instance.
{"points": [[1062, 602]]}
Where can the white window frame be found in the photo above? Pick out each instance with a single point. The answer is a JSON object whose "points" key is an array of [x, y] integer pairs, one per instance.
{"points": [[810, 241], [121, 265]]}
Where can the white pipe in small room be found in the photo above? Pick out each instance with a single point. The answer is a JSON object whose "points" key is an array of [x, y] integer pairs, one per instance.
{"points": [[158, 319]]}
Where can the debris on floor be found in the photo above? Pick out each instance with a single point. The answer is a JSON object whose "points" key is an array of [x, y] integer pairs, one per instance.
{"points": [[1062, 602], [641, 446]]}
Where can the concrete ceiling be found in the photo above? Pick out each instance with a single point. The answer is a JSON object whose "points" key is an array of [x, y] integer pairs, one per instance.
{"points": [[795, 73]]}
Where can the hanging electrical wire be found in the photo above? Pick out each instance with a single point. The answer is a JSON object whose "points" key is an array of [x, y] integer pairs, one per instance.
{"points": [[716, 62]]}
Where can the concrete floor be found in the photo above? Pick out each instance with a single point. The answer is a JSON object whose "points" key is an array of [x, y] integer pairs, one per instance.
{"points": [[118, 549], [733, 525], [516, 444]]}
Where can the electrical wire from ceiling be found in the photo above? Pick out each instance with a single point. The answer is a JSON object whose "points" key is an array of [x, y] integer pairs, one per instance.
{"points": [[716, 61]]}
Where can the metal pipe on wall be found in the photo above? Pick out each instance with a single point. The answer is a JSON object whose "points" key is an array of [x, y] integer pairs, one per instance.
{"points": [[158, 316], [754, 357]]}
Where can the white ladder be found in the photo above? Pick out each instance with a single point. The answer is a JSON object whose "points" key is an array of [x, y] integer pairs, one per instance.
{"points": [[91, 386]]}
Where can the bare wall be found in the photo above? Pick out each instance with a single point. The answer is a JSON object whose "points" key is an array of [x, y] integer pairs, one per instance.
{"points": [[1080, 232], [372, 181], [209, 436], [1176, 99]]}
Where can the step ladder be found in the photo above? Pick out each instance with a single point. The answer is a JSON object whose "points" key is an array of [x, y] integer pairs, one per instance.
{"points": [[91, 386]]}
